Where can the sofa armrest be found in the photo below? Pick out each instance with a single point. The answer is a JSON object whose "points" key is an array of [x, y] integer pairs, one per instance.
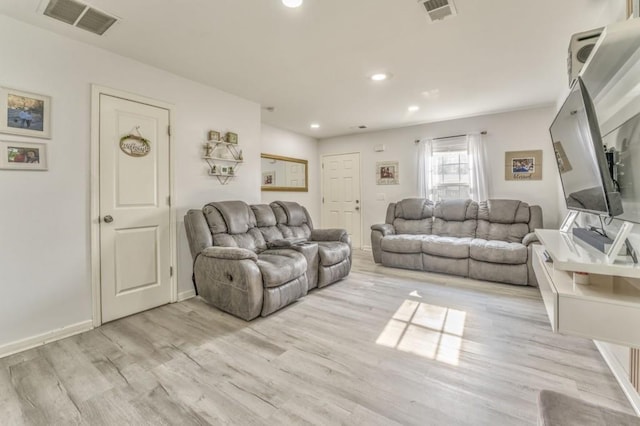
{"points": [[384, 228], [198, 233], [229, 253], [530, 238], [330, 235]]}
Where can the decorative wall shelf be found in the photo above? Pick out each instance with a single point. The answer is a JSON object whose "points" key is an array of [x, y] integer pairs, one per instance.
{"points": [[227, 170]]}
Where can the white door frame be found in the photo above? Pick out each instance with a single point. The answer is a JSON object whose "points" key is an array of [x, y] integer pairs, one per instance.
{"points": [[322, 218], [96, 91]]}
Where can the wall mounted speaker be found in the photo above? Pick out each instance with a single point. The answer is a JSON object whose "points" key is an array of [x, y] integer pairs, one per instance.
{"points": [[580, 49]]}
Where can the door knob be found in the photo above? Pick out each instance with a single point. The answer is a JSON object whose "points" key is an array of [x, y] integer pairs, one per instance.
{"points": [[357, 208], [108, 219]]}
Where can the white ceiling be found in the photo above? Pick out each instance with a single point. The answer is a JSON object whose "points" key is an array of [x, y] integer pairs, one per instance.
{"points": [[312, 63]]}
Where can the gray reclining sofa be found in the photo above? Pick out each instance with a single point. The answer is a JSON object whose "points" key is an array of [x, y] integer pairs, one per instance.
{"points": [[254, 260], [490, 240]]}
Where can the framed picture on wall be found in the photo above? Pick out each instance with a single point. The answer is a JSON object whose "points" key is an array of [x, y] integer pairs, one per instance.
{"points": [[269, 178], [387, 173], [23, 156], [523, 165], [24, 113]]}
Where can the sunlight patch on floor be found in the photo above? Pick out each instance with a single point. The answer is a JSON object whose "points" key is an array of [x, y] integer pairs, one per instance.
{"points": [[431, 331]]}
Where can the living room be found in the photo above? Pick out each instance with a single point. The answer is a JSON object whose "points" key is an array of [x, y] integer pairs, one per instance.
{"points": [[50, 219]]}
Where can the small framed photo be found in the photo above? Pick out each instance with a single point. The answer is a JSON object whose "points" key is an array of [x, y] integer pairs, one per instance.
{"points": [[523, 165], [231, 137], [387, 173], [23, 156], [26, 114], [224, 170], [269, 178], [213, 136]]}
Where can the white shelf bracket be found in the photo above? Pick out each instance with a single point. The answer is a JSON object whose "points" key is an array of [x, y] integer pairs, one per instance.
{"points": [[614, 250]]}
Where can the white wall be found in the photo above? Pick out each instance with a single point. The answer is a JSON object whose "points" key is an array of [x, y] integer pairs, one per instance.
{"points": [[288, 144], [44, 218], [511, 131]]}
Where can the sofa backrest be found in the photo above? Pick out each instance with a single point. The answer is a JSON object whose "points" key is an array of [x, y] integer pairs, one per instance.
{"points": [[292, 219], [411, 216], [455, 218], [233, 224], [505, 220], [266, 222]]}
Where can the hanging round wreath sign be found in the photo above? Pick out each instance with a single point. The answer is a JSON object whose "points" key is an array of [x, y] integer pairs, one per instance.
{"points": [[135, 145]]}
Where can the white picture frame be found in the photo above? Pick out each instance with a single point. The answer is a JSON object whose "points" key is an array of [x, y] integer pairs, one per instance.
{"points": [[23, 156], [25, 113], [387, 173]]}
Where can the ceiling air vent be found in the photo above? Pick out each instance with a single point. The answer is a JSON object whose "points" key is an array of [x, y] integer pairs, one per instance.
{"points": [[80, 15], [437, 10]]}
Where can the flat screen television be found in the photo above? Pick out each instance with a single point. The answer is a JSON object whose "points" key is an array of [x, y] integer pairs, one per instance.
{"points": [[580, 155]]}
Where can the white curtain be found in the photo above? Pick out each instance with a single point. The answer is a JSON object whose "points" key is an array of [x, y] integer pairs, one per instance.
{"points": [[478, 167], [425, 184]]}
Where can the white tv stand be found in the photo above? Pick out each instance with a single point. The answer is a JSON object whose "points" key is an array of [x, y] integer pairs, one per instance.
{"points": [[607, 309]]}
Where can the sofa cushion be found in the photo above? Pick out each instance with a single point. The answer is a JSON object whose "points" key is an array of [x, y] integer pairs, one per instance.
{"points": [[214, 219], [498, 251], [251, 240], [452, 247], [452, 228], [280, 266], [403, 243], [504, 220], [504, 211], [332, 252], [264, 215], [237, 215], [421, 226], [295, 213], [455, 218], [456, 210], [414, 209], [513, 233], [295, 231]]}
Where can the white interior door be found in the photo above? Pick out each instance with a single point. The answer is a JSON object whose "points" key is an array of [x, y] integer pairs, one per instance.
{"points": [[135, 213], [295, 174], [341, 194]]}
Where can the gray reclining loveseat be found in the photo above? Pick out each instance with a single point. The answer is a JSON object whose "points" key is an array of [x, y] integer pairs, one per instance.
{"points": [[254, 260], [489, 240]]}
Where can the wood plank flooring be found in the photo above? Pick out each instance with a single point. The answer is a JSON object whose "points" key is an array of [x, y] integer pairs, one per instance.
{"points": [[383, 347]]}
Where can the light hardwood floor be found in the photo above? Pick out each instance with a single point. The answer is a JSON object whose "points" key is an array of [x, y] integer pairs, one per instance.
{"points": [[383, 347]]}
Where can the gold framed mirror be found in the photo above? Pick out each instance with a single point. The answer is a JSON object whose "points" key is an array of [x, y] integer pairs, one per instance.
{"points": [[284, 173]]}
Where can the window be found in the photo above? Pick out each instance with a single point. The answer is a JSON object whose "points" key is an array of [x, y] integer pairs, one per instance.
{"points": [[453, 168], [450, 169]]}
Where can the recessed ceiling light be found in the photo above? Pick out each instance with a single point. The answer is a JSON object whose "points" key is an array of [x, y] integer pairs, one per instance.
{"points": [[413, 108], [379, 76], [292, 3], [315, 126]]}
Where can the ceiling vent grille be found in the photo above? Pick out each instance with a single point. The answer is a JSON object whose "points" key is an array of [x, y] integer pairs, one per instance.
{"points": [[438, 10], [80, 15]]}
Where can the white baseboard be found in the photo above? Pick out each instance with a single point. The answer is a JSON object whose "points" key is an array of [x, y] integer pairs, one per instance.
{"points": [[366, 248], [48, 337], [621, 376], [187, 294]]}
